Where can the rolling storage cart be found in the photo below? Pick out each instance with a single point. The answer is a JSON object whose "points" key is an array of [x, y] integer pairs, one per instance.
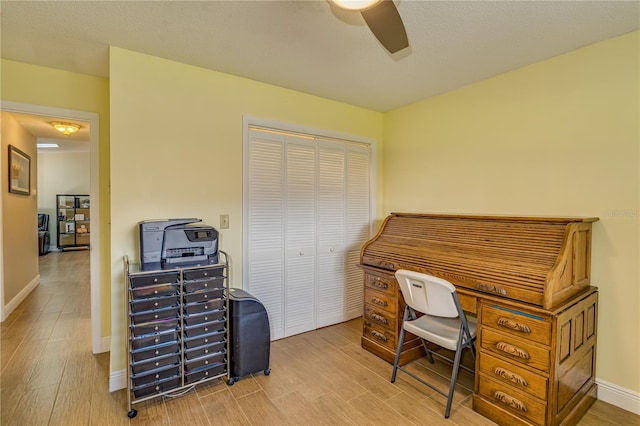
{"points": [[249, 336], [177, 329]]}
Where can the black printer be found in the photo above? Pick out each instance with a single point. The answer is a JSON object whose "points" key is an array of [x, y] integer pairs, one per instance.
{"points": [[173, 243]]}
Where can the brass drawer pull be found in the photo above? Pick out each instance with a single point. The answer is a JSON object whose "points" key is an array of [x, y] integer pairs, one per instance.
{"points": [[512, 377], [492, 289], [510, 401], [512, 350], [513, 325], [378, 335], [385, 265], [380, 284], [379, 318], [378, 301]]}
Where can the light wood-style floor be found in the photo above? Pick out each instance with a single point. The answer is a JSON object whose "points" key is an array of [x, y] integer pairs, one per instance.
{"points": [[49, 376]]}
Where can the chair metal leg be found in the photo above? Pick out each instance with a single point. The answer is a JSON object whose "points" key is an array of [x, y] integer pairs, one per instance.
{"points": [[454, 378], [426, 349], [397, 359]]}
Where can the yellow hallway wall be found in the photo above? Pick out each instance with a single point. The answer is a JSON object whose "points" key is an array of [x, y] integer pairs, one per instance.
{"points": [[560, 138], [19, 223], [42, 86], [176, 151]]}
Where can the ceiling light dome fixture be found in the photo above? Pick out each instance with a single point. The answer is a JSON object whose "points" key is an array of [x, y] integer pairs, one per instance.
{"points": [[65, 128], [355, 4]]}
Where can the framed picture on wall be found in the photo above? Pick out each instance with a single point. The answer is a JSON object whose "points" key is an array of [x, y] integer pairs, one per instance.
{"points": [[19, 171]]}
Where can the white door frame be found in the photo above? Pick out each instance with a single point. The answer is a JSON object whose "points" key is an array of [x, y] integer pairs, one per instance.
{"points": [[94, 120]]}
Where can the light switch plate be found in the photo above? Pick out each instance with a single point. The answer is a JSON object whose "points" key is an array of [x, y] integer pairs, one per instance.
{"points": [[224, 221]]}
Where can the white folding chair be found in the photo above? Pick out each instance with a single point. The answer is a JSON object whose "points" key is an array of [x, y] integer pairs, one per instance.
{"points": [[443, 322]]}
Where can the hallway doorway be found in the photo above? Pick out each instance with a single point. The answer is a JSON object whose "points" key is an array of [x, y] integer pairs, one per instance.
{"points": [[98, 344]]}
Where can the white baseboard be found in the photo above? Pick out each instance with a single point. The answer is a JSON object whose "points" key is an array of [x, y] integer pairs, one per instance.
{"points": [[117, 380], [13, 304], [618, 396]]}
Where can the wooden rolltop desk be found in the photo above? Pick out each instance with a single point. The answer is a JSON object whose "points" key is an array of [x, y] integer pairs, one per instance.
{"points": [[528, 281]]}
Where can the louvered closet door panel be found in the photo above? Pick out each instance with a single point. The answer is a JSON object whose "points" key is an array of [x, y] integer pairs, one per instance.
{"points": [[300, 235], [265, 220], [357, 223], [331, 233]]}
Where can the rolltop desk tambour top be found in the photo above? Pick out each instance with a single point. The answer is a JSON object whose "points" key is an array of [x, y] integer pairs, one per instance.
{"points": [[528, 281]]}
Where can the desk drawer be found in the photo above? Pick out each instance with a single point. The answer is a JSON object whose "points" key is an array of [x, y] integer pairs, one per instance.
{"points": [[204, 328], [155, 291], [141, 305], [155, 315], [194, 274], [201, 318], [155, 376], [155, 363], [204, 307], [215, 339], [380, 317], [380, 300], [204, 361], [209, 371], [154, 388], [512, 375], [160, 326], [512, 400], [380, 335], [155, 279], [520, 351], [202, 351], [384, 283], [144, 354], [203, 295], [518, 323], [204, 284], [154, 339]]}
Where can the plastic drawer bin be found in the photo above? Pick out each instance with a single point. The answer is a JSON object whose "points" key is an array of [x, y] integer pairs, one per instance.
{"points": [[249, 335]]}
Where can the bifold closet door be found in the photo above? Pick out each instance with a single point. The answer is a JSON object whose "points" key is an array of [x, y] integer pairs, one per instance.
{"points": [[264, 222], [358, 219], [330, 291], [307, 213], [300, 235]]}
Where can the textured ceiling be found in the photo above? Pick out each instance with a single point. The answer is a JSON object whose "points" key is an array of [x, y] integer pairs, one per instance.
{"points": [[311, 46], [40, 127]]}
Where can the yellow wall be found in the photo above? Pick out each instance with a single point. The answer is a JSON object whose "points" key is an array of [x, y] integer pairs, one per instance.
{"points": [[19, 219], [176, 151], [559, 137], [61, 89]]}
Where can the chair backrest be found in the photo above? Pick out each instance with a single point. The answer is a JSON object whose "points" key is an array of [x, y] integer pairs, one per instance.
{"points": [[427, 294], [43, 222]]}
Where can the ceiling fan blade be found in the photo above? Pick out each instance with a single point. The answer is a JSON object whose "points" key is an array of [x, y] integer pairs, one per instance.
{"points": [[385, 23]]}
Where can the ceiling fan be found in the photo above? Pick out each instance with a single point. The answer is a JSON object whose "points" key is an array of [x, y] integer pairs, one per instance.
{"points": [[383, 20]]}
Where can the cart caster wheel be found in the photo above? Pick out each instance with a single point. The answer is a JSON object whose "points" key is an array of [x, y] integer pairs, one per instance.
{"points": [[231, 381], [131, 414], [267, 371]]}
